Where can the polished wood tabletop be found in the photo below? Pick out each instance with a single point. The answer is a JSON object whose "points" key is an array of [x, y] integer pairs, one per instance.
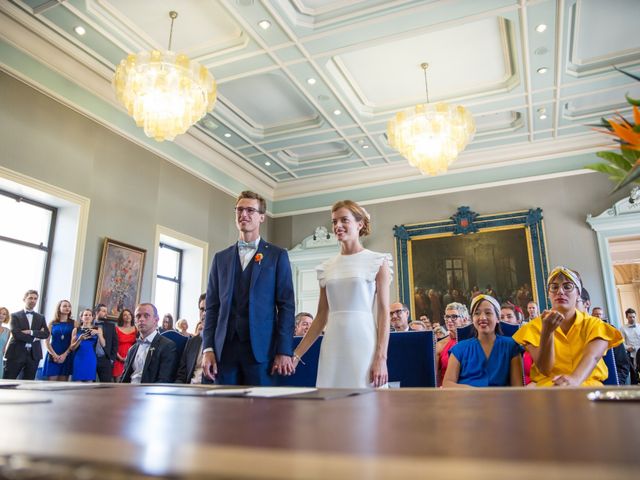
{"points": [[405, 433]]}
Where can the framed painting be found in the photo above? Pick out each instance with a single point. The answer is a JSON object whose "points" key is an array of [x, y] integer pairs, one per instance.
{"points": [[120, 276], [452, 260]]}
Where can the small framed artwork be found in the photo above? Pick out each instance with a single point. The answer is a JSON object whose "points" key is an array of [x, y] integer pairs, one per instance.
{"points": [[453, 260], [120, 276]]}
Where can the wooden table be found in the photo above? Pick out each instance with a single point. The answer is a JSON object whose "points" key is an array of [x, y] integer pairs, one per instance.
{"points": [[409, 433]]}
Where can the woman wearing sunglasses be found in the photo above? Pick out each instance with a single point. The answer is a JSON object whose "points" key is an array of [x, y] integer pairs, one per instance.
{"points": [[566, 344]]}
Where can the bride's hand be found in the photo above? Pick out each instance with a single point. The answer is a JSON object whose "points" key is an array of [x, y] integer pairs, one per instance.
{"points": [[379, 374]]}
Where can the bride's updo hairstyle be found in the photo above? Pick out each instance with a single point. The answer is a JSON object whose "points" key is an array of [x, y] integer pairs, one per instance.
{"points": [[358, 212]]}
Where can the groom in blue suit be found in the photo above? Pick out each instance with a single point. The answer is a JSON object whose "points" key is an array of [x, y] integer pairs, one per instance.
{"points": [[249, 322]]}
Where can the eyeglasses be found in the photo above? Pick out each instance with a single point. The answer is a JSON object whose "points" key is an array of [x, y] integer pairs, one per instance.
{"points": [[202, 309], [566, 287], [396, 312], [451, 317], [250, 210]]}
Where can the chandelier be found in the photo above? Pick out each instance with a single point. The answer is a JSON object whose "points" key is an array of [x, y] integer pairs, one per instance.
{"points": [[163, 91], [431, 135]]}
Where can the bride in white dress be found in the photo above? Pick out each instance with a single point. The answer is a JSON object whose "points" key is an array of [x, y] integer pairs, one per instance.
{"points": [[353, 353]]}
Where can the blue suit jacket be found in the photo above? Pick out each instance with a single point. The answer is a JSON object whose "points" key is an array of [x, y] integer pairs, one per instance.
{"points": [[271, 302]]}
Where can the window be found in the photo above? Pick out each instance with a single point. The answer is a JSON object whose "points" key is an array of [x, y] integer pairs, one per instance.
{"points": [[27, 229], [169, 280], [454, 268]]}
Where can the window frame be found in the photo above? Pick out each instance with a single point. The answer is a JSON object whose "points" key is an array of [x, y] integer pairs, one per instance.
{"points": [[177, 280]]}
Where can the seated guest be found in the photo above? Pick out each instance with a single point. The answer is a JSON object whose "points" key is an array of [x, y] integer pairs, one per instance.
{"points": [[532, 310], [152, 358], [488, 359], [190, 367], [598, 312], [417, 326], [455, 315], [127, 334], [303, 323], [566, 344], [427, 323], [167, 323], [58, 364], [399, 314], [508, 314], [182, 326], [85, 339]]}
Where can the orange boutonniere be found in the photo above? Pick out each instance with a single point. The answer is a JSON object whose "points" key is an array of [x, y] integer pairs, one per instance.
{"points": [[258, 258]]}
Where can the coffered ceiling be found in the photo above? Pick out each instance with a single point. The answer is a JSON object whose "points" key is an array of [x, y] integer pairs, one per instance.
{"points": [[303, 103]]}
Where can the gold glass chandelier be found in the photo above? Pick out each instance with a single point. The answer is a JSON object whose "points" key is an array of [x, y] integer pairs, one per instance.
{"points": [[164, 92], [431, 135]]}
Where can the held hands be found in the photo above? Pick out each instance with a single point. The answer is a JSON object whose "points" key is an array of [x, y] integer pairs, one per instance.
{"points": [[209, 365], [565, 381], [551, 319], [282, 365], [379, 375]]}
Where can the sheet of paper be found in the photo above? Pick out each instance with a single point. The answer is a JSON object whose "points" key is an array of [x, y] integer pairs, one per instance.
{"points": [[268, 392], [228, 392]]}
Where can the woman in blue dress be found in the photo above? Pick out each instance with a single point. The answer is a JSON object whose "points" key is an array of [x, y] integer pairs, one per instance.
{"points": [[488, 359], [5, 334], [58, 363], [84, 342]]}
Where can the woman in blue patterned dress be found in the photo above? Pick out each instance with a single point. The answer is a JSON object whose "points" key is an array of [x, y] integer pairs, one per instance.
{"points": [[5, 334], [84, 342], [58, 364]]}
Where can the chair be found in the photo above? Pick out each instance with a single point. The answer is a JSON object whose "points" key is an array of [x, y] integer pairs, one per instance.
{"points": [[180, 341], [411, 361], [610, 361], [508, 329], [466, 332]]}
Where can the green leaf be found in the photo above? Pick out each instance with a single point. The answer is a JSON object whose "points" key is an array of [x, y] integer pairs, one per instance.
{"points": [[632, 176], [630, 156], [615, 174], [616, 159], [633, 101]]}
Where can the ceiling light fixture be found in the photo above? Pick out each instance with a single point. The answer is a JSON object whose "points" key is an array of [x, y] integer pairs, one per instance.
{"points": [[227, 135], [163, 91], [264, 24], [541, 28], [542, 113], [80, 30], [542, 70], [268, 164], [365, 146], [431, 135], [337, 112], [311, 81]]}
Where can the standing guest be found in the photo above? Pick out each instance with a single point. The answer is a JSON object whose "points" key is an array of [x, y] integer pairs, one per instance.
{"points": [[182, 326], [5, 334], [167, 323], [488, 359], [427, 323], [190, 366], [248, 331], [631, 334], [566, 344], [399, 315], [532, 310], [303, 323], [353, 353], [58, 364], [27, 329], [455, 315], [85, 339], [108, 352], [152, 358], [127, 333]]}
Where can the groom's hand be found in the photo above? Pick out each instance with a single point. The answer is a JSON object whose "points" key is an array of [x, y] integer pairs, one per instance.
{"points": [[209, 365], [282, 365]]}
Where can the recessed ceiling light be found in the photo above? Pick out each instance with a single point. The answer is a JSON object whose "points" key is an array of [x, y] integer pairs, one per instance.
{"points": [[267, 163], [541, 28], [365, 146], [80, 30], [264, 24], [311, 81], [542, 70], [227, 135], [337, 112], [543, 116]]}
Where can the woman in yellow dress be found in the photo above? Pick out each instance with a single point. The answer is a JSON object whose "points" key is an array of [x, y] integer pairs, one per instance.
{"points": [[567, 345]]}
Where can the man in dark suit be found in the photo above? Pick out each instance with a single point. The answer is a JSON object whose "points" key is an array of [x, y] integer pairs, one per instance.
{"points": [[248, 332], [152, 358], [106, 355], [190, 367], [24, 351]]}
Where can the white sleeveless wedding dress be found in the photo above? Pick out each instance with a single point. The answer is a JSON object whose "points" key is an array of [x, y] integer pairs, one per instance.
{"points": [[349, 342]]}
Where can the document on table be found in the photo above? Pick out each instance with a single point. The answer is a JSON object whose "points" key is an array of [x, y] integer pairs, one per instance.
{"points": [[263, 392]]}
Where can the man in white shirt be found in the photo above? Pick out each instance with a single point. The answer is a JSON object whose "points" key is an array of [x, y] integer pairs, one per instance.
{"points": [[152, 358], [631, 334]]}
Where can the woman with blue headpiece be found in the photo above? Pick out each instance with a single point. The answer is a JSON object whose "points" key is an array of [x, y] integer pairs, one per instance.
{"points": [[567, 345], [488, 359]]}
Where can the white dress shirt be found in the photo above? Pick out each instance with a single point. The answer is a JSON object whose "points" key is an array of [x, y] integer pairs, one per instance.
{"points": [[246, 254], [631, 336], [141, 357]]}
